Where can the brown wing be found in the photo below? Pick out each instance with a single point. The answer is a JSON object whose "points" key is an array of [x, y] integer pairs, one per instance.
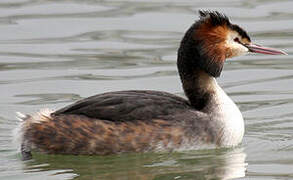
{"points": [[128, 106]]}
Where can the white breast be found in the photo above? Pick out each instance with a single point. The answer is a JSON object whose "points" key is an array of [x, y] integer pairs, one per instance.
{"points": [[229, 117]]}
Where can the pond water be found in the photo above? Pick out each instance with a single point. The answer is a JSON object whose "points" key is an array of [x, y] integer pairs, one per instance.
{"points": [[54, 52]]}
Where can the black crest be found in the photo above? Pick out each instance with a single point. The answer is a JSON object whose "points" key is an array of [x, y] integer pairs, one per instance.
{"points": [[218, 19], [215, 17], [240, 31]]}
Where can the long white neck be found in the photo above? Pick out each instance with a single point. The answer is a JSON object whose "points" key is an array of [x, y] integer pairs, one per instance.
{"points": [[225, 113]]}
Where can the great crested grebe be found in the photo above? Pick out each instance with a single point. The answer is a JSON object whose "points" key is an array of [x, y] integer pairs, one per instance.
{"points": [[142, 121]]}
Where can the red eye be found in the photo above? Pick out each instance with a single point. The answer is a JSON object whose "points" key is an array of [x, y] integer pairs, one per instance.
{"points": [[237, 40]]}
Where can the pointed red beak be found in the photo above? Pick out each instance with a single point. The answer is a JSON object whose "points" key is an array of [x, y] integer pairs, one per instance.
{"points": [[264, 50]]}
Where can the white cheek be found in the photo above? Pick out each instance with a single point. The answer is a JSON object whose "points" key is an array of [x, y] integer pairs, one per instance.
{"points": [[238, 49], [241, 49]]}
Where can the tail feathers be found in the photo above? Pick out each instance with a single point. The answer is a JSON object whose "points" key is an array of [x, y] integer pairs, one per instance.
{"points": [[22, 117], [25, 151], [18, 136], [25, 122]]}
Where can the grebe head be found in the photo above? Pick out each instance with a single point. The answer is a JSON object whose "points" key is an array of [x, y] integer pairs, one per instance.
{"points": [[217, 39]]}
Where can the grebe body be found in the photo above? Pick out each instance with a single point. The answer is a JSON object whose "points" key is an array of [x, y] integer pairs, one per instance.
{"points": [[143, 121]]}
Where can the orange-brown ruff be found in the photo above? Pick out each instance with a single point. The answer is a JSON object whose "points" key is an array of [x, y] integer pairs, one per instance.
{"points": [[214, 38], [142, 121]]}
